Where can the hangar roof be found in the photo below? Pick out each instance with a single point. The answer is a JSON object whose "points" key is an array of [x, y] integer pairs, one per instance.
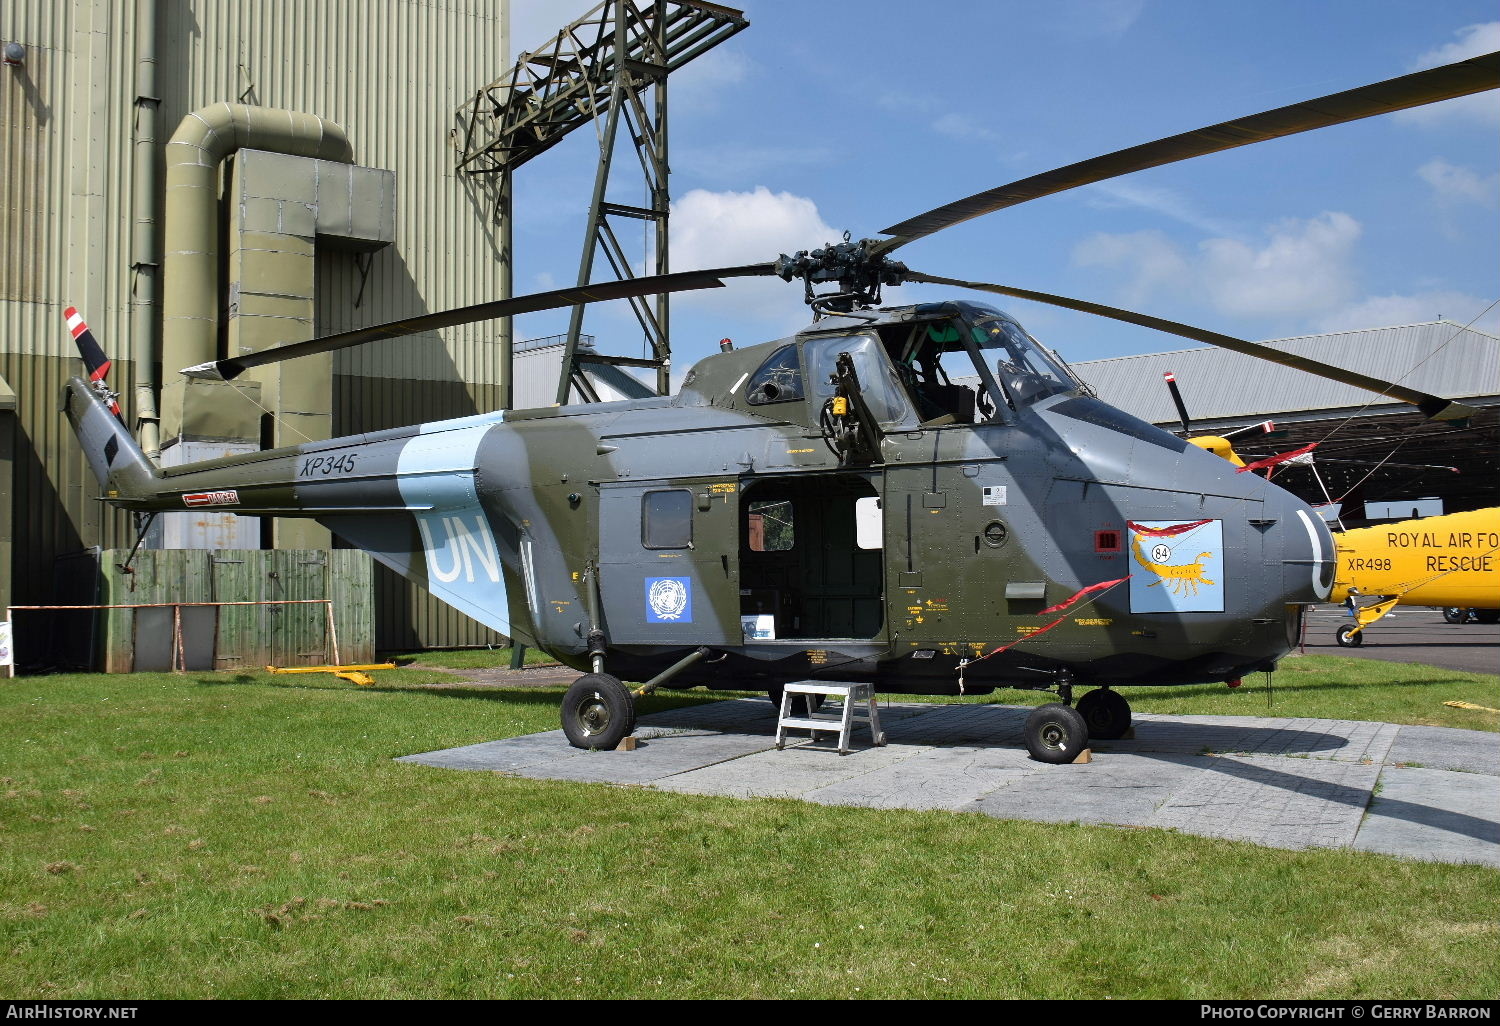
{"points": [[1440, 357]]}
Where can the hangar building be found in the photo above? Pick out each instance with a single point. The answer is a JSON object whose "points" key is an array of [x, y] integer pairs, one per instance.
{"points": [[313, 138], [1376, 456]]}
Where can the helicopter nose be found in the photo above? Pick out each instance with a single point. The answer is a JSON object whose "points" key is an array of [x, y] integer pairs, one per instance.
{"points": [[1303, 547]]}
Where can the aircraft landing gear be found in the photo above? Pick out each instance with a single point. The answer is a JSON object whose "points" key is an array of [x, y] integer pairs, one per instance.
{"points": [[597, 712], [1055, 733], [1106, 713], [1347, 638]]}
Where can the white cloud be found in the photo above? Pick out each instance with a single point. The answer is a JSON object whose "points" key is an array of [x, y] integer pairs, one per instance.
{"points": [[712, 229], [1484, 108], [719, 229], [1472, 41], [1303, 268], [1386, 311], [1154, 262], [1453, 184], [1154, 198]]}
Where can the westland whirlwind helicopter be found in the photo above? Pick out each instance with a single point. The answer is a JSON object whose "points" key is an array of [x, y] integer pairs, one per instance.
{"points": [[834, 505]]}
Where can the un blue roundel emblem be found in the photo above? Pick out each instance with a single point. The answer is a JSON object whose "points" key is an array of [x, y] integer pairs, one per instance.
{"points": [[669, 600]]}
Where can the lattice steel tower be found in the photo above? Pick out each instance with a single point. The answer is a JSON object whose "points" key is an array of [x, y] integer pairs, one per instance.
{"points": [[611, 64]]}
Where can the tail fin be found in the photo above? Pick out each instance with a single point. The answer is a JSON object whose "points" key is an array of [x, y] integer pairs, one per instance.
{"points": [[122, 469], [93, 357]]}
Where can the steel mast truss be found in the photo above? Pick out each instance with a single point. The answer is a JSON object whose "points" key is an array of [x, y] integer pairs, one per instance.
{"points": [[599, 70]]}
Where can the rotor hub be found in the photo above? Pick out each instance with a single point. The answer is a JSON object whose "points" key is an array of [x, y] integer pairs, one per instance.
{"points": [[857, 267]]}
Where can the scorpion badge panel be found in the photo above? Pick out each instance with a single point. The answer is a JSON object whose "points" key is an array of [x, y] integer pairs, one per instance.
{"points": [[1179, 566]]}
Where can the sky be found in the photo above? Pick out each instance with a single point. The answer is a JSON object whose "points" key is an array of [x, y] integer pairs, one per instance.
{"points": [[856, 114]]}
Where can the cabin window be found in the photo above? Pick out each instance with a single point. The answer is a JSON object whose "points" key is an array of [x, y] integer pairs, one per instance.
{"points": [[667, 519], [770, 526], [778, 380]]}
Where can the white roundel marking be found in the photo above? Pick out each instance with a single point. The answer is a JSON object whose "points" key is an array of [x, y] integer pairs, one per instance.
{"points": [[1161, 553], [668, 598]]}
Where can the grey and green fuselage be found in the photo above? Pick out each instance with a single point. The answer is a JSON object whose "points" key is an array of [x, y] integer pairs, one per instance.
{"points": [[720, 518]]}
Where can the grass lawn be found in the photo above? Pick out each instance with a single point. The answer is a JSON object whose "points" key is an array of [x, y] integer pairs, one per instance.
{"points": [[246, 835]]}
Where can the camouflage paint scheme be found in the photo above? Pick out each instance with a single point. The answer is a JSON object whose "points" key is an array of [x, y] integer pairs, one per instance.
{"points": [[508, 516]]}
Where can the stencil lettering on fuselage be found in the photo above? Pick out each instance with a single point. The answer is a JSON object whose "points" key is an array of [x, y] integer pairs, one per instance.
{"points": [[1179, 566], [436, 477]]}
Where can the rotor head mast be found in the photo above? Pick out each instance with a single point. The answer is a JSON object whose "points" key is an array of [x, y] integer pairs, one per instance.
{"points": [[858, 268]]}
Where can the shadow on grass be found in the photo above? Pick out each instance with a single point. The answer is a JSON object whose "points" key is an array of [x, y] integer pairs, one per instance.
{"points": [[536, 694]]}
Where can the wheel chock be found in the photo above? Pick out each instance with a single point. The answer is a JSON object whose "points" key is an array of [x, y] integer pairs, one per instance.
{"points": [[1087, 755]]}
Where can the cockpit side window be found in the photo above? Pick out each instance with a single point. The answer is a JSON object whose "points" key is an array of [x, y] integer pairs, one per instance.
{"points": [[778, 380], [882, 389]]}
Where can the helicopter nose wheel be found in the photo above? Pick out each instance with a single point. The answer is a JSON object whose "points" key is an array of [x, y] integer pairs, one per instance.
{"points": [[598, 712], [1055, 733], [1346, 637], [1106, 713]]}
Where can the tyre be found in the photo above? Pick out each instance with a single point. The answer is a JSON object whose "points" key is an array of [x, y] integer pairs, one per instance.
{"points": [[1455, 614], [1105, 713], [1055, 733], [1485, 615], [597, 712], [800, 703], [1346, 637]]}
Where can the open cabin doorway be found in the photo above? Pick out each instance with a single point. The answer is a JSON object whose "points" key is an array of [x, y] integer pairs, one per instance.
{"points": [[804, 572]]}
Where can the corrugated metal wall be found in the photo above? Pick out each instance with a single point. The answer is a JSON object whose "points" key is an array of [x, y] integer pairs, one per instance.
{"points": [[391, 72]]}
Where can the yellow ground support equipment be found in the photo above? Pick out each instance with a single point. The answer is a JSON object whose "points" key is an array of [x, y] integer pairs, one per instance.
{"points": [[351, 673]]}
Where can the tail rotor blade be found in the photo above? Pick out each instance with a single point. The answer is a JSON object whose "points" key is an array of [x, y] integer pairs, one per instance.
{"points": [[93, 356], [1187, 427]]}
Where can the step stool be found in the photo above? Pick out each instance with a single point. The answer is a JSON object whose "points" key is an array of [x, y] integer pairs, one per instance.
{"points": [[858, 710]]}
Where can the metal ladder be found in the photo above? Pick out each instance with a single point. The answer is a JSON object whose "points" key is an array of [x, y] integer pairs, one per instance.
{"points": [[858, 710]]}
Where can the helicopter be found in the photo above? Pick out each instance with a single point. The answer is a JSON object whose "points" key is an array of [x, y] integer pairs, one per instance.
{"points": [[834, 505], [1450, 561]]}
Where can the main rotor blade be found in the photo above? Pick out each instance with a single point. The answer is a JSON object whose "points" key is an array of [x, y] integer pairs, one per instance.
{"points": [[681, 281], [1435, 407], [1444, 83]]}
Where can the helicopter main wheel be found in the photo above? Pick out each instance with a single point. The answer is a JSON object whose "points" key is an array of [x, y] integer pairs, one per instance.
{"points": [[1455, 614], [1346, 637], [597, 712], [1055, 733], [1106, 713]]}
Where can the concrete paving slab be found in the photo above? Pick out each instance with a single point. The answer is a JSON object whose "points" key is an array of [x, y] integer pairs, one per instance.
{"points": [[791, 773], [1276, 781], [937, 778], [1125, 790], [1281, 803], [1436, 815], [1445, 748]]}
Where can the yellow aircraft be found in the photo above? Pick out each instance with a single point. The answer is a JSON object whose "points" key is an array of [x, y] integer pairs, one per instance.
{"points": [[1451, 561]]}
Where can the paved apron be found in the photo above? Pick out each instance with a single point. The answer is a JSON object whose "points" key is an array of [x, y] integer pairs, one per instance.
{"points": [[1280, 782]]}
